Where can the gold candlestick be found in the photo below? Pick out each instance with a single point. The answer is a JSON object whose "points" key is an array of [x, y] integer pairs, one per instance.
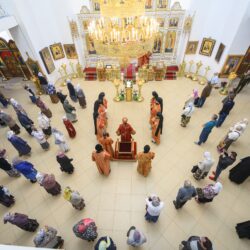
{"points": [[60, 72], [181, 71], [198, 66], [24, 75], [64, 67], [189, 74], [203, 79], [140, 83], [74, 75], [231, 77], [117, 83], [79, 70], [35, 80]]}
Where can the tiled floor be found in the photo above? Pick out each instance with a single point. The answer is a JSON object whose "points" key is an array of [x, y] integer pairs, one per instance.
{"points": [[117, 202]]}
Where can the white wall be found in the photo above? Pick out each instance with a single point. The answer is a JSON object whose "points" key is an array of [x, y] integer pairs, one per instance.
{"points": [[221, 20], [6, 35]]}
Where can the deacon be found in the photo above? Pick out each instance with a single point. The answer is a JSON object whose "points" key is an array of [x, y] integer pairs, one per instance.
{"points": [[125, 130]]}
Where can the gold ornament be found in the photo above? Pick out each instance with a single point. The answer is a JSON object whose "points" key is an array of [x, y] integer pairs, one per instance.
{"points": [[203, 79], [140, 83], [74, 29], [198, 66], [117, 83], [190, 74]]}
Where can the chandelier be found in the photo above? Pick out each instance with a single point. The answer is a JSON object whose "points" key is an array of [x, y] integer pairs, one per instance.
{"points": [[122, 31]]}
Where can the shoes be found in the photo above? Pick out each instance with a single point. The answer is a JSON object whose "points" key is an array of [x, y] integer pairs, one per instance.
{"points": [[211, 178], [174, 202], [197, 143], [153, 141]]}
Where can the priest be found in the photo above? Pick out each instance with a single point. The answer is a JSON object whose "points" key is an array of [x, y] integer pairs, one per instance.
{"points": [[125, 130]]}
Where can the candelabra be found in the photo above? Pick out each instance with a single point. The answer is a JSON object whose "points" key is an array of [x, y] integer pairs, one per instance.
{"points": [[189, 74], [117, 83], [198, 66], [140, 83], [181, 71], [203, 79], [74, 75], [79, 70]]}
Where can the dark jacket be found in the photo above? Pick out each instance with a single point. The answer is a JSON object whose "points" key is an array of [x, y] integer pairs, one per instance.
{"points": [[194, 240], [186, 193], [206, 91], [61, 97], [24, 120], [227, 106], [43, 80], [225, 160], [4, 164], [65, 163]]}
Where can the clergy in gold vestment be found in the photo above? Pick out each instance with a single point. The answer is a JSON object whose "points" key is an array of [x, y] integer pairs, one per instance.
{"points": [[101, 158], [144, 161], [125, 130]]}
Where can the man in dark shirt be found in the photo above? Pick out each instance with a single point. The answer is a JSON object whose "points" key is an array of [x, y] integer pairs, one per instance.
{"points": [[226, 108], [225, 161]]}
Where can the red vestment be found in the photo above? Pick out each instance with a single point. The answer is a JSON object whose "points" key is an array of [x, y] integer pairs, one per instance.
{"points": [[70, 128], [125, 130]]}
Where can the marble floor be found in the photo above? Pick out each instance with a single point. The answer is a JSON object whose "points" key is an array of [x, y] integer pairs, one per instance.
{"points": [[118, 201]]}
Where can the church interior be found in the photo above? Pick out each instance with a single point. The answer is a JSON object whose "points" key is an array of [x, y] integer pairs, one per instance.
{"points": [[127, 49]]}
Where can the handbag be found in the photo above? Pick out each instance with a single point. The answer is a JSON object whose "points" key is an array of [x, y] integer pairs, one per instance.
{"points": [[194, 169]]}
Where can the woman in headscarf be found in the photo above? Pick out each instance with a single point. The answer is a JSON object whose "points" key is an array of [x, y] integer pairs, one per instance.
{"points": [[95, 113], [208, 193], [61, 96], [49, 183], [3, 100], [241, 171], [187, 113], [70, 111], [6, 166], [10, 122], [43, 82], [6, 198], [153, 208], [135, 237], [44, 124], [196, 243], [86, 229], [22, 221], [105, 243], [25, 168], [103, 100], [144, 161], [201, 170], [72, 91], [107, 142], [80, 96], [155, 108], [60, 140], [52, 92], [69, 126], [32, 95], [157, 124], [25, 121], [48, 238], [154, 98], [18, 143], [74, 198], [17, 106], [44, 109], [40, 137], [102, 159], [195, 96], [243, 124], [65, 163]]}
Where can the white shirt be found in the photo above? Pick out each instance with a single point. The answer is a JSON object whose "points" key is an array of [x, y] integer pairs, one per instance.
{"points": [[152, 210], [214, 80], [43, 121], [234, 135]]}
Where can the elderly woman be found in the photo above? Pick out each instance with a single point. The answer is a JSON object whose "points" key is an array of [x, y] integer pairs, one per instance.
{"points": [[49, 183], [26, 169], [43, 82], [47, 238], [196, 243], [18, 143], [187, 113], [70, 111], [86, 229], [144, 161], [52, 92], [41, 138], [65, 163], [44, 109], [153, 208], [135, 237], [69, 126], [105, 243], [25, 121], [74, 198], [10, 122], [17, 106], [80, 96], [61, 96], [208, 193], [201, 170], [60, 140], [6, 198], [6, 166], [44, 124], [22, 221], [72, 91]]}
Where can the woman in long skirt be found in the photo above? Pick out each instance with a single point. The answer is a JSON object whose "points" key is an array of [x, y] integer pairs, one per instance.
{"points": [[41, 139], [86, 229], [52, 92], [6, 198], [44, 109], [32, 95], [72, 91], [48, 238], [60, 140], [44, 124], [70, 111], [65, 163], [17, 106], [49, 183], [6, 166], [25, 121], [208, 193], [10, 122], [74, 198], [69, 126], [3, 100], [19, 144], [22, 221], [80, 96]]}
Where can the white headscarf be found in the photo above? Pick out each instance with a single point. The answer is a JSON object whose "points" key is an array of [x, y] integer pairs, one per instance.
{"points": [[51, 83], [39, 177], [207, 156], [13, 102], [68, 81], [217, 187], [10, 134], [40, 74], [78, 87]]}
